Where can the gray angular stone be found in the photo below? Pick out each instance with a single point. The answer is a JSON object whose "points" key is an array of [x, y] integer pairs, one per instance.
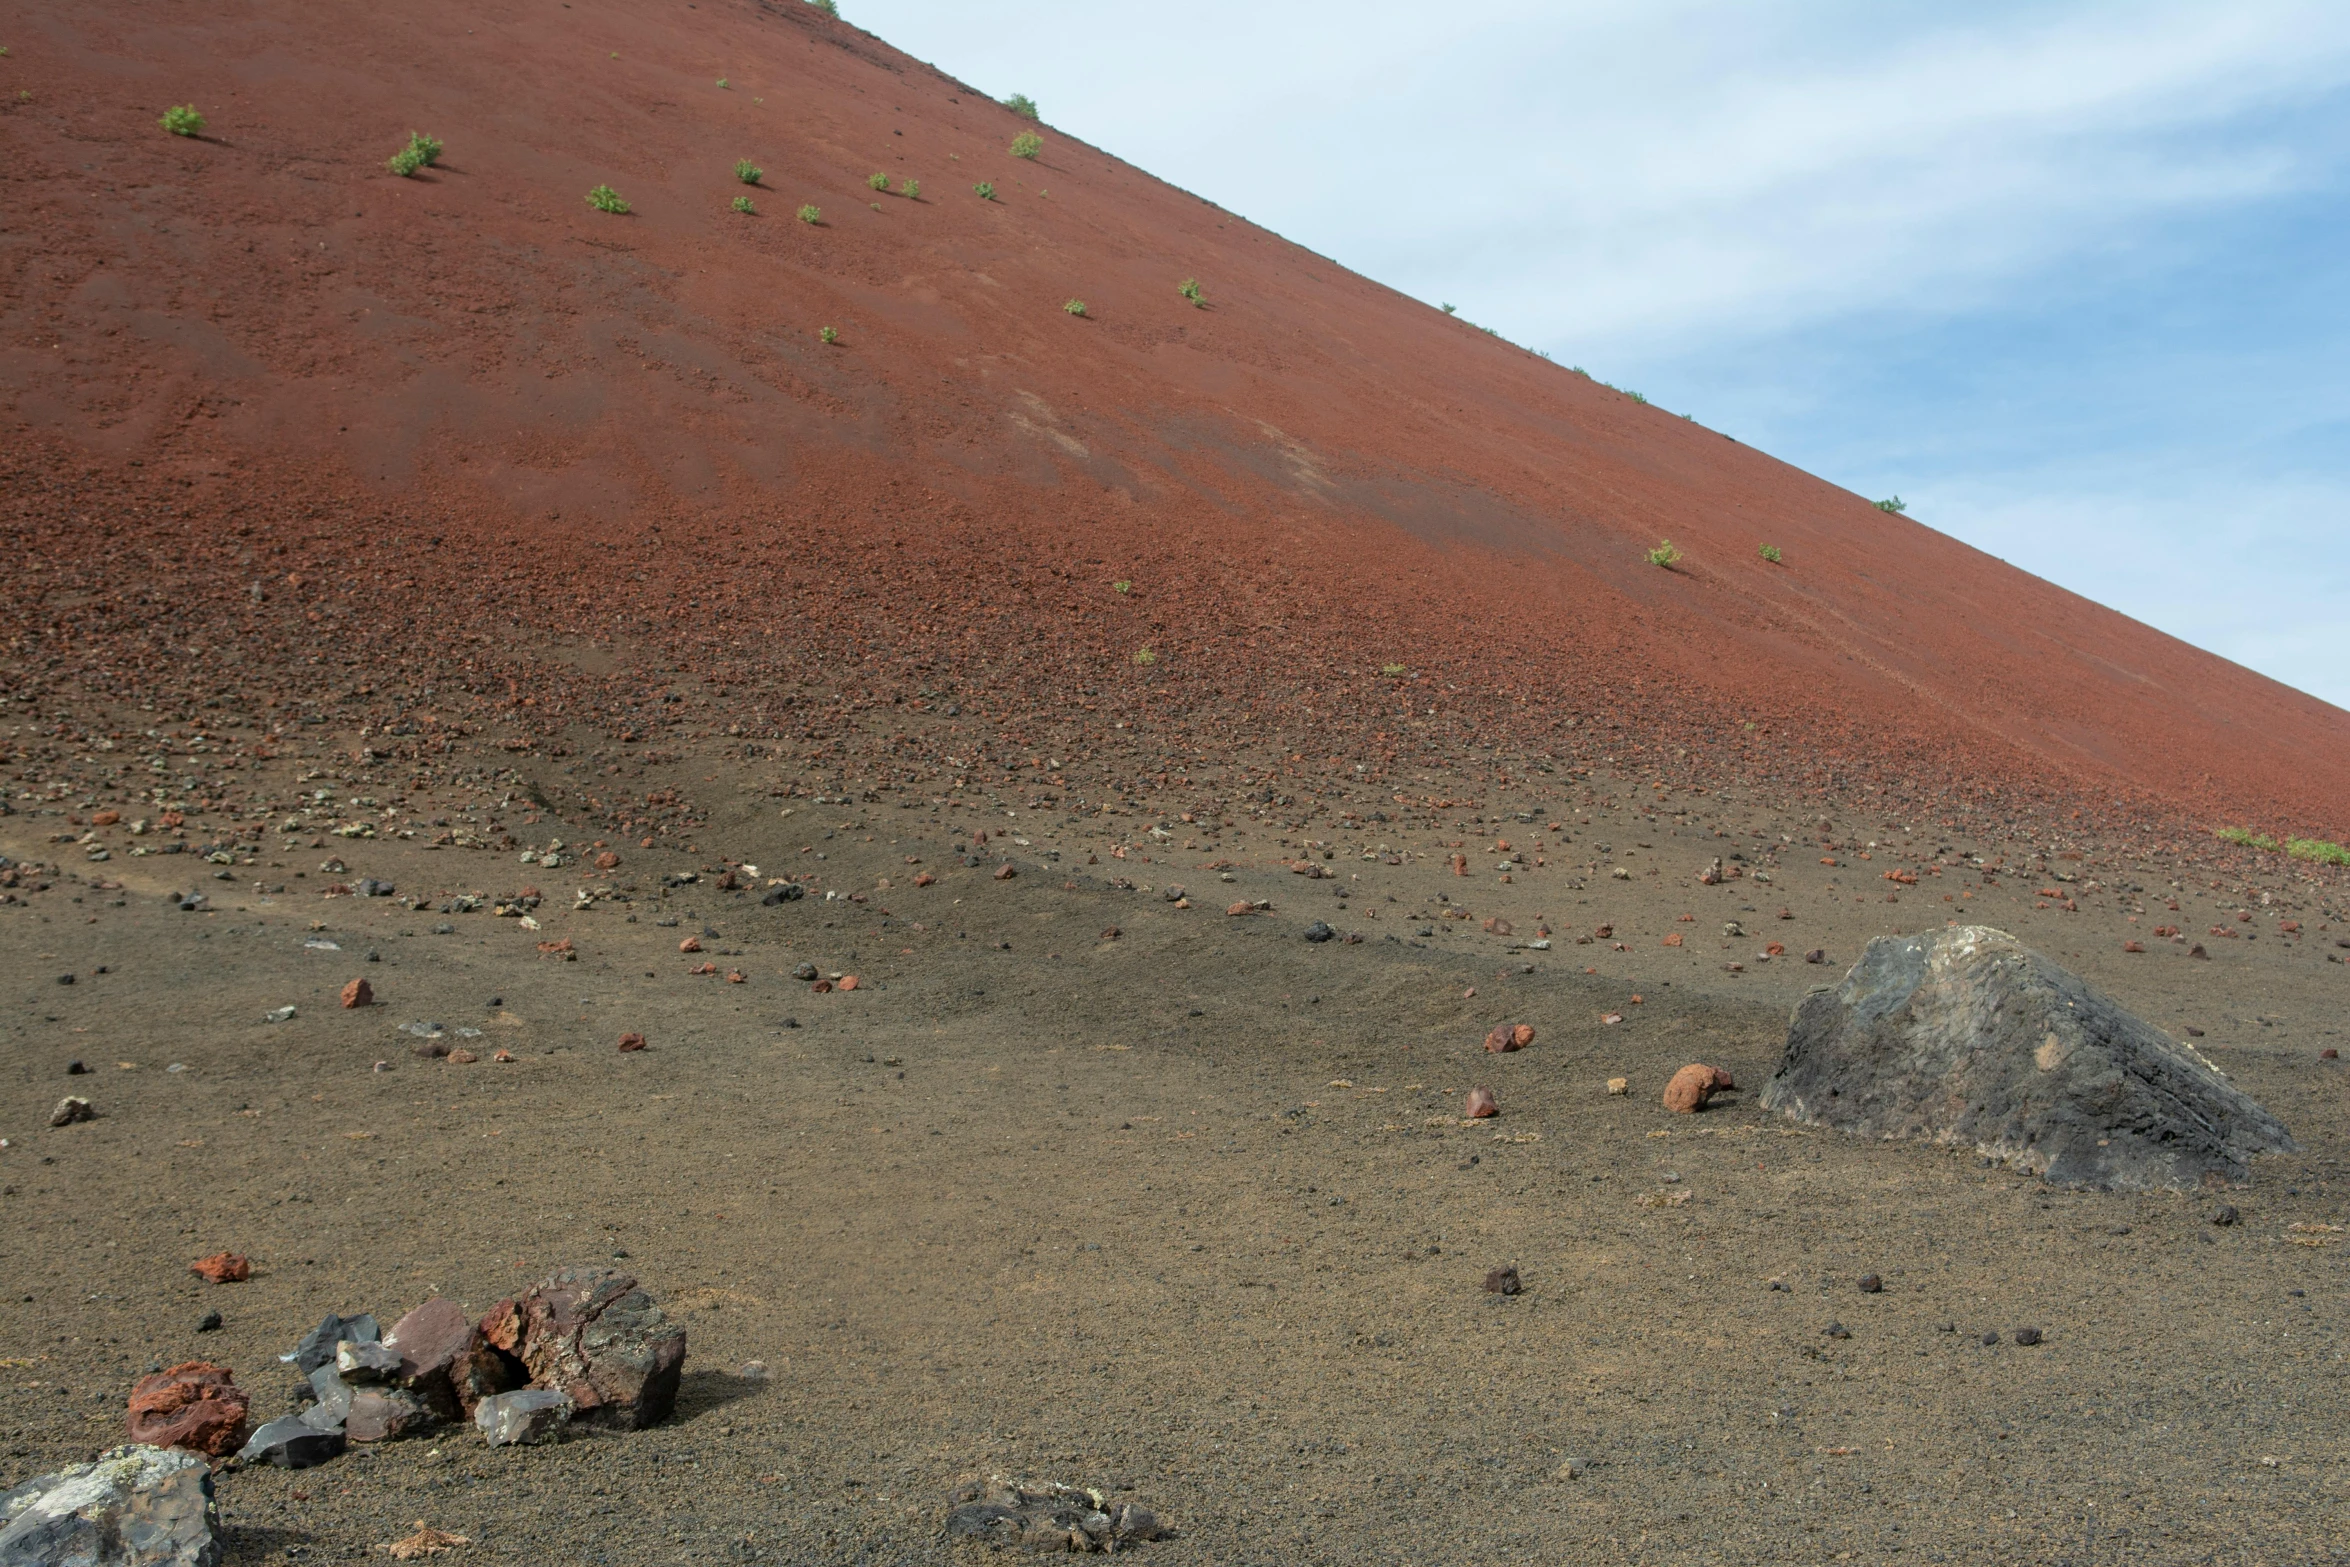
{"points": [[334, 1397], [293, 1442], [533, 1414], [318, 1345], [1964, 1036], [368, 1362], [133, 1507]]}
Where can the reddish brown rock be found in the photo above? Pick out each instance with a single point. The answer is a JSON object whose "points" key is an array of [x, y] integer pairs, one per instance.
{"points": [[1509, 1036], [1693, 1086], [690, 944], [195, 1405], [380, 1413], [222, 1267], [1481, 1104], [592, 1333], [607, 861], [632, 1041], [433, 1341], [1005, 873], [358, 993]]}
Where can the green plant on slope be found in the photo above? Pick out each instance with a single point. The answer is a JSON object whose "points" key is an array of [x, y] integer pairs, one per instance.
{"points": [[1075, 307], [182, 120], [1770, 552], [1893, 503], [1448, 309], [1189, 289], [1027, 144], [829, 335], [984, 191], [2318, 850], [722, 81], [1664, 554], [811, 213], [1145, 656], [828, 7], [747, 171], [877, 182], [911, 190], [1022, 105], [742, 204], [1392, 669], [1122, 585], [421, 152], [605, 199]]}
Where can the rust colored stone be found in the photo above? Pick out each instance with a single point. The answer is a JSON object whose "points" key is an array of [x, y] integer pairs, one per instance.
{"points": [[607, 861], [1480, 1104], [1694, 1086], [632, 1042], [358, 993], [196, 1405], [690, 944], [222, 1267]]}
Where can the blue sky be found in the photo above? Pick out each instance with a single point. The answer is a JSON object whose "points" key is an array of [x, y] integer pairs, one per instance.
{"points": [[2071, 278]]}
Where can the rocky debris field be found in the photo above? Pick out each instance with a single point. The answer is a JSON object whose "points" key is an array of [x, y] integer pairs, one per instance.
{"points": [[1105, 1174]]}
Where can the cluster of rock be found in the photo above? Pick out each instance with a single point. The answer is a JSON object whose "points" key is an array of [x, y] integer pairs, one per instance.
{"points": [[1047, 1518], [585, 1345]]}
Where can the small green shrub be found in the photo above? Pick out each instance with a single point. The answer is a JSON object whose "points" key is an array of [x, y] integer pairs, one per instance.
{"points": [[1636, 397], [747, 171], [829, 335], [1448, 309], [182, 120], [828, 7], [1075, 307], [1189, 289], [721, 81], [811, 213], [605, 199], [984, 191], [1893, 503], [1122, 585], [1664, 554], [1027, 144], [911, 190], [422, 151], [2317, 850], [1393, 669], [877, 182], [742, 204], [1143, 655], [1022, 105], [1770, 552]]}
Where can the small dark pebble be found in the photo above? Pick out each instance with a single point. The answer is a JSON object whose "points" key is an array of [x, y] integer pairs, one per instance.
{"points": [[1989, 1339], [1503, 1281], [76, 1068], [497, 1001], [2027, 1336], [1816, 955], [1318, 931], [209, 1322], [2225, 1213], [1870, 1284], [1838, 1330], [2194, 1033], [65, 979]]}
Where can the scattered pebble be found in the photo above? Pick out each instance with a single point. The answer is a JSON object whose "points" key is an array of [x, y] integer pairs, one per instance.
{"points": [[1503, 1281], [1481, 1105]]}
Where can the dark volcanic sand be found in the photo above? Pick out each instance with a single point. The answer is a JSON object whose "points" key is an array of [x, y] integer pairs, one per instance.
{"points": [[1187, 1214]]}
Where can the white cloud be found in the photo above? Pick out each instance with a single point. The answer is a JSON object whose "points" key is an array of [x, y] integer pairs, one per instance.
{"points": [[1587, 176]]}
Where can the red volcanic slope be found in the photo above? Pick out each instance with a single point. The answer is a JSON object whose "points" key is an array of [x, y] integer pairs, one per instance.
{"points": [[1312, 472]]}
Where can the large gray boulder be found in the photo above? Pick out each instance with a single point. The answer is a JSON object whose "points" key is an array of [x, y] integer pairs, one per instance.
{"points": [[135, 1506], [1965, 1036]]}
